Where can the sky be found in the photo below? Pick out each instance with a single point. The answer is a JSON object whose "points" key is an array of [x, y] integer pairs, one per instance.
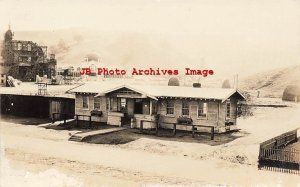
{"points": [[244, 36]]}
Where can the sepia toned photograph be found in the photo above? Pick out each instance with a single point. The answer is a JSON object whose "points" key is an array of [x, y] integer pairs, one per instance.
{"points": [[149, 93]]}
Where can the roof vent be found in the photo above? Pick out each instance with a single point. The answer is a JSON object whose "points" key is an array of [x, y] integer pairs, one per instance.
{"points": [[197, 85]]}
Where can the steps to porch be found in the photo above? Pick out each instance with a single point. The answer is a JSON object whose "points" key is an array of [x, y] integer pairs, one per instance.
{"points": [[78, 137]]}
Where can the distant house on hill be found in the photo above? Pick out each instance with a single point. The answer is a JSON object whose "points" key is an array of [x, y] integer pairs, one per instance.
{"points": [[129, 104], [291, 93]]}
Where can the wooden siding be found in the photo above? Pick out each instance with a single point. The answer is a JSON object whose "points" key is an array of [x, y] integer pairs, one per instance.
{"points": [[216, 111], [81, 111], [210, 120]]}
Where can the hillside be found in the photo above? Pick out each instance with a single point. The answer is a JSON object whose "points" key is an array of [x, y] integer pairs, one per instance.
{"points": [[272, 83]]}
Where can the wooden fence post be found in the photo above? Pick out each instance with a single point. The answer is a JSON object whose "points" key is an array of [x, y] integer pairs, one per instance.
{"points": [[53, 117], [212, 133], [193, 131], [141, 126], [174, 129], [65, 118], [90, 122]]}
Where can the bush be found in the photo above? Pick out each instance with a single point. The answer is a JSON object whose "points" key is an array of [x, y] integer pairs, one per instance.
{"points": [[245, 110]]}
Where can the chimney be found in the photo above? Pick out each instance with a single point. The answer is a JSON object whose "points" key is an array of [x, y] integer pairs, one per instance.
{"points": [[235, 82]]}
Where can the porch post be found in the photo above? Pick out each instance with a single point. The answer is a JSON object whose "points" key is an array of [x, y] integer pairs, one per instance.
{"points": [[77, 120], [150, 107], [90, 121], [110, 107], [53, 120], [141, 125]]}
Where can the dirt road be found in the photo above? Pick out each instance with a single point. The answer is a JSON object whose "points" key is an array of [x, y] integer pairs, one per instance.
{"points": [[144, 161]]}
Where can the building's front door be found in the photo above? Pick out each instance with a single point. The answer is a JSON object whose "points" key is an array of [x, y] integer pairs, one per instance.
{"points": [[125, 108]]}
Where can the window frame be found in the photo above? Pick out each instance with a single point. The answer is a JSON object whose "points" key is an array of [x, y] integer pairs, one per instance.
{"points": [[122, 104], [87, 102], [19, 45], [187, 108], [98, 101], [226, 110], [29, 47], [206, 112], [170, 107]]}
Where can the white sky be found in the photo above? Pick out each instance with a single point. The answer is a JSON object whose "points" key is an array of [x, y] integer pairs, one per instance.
{"points": [[231, 34]]}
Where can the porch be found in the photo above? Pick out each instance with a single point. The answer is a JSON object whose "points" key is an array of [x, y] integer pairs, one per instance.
{"points": [[127, 107]]}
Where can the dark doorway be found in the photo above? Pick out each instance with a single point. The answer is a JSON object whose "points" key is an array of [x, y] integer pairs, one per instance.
{"points": [[138, 106]]}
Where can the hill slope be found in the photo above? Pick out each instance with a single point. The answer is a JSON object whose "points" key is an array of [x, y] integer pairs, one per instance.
{"points": [[272, 83]]}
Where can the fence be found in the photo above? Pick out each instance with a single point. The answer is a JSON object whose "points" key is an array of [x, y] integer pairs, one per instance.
{"points": [[276, 156], [194, 129], [281, 140], [59, 116]]}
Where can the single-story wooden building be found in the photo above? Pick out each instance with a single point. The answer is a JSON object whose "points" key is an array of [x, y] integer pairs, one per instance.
{"points": [[123, 105]]}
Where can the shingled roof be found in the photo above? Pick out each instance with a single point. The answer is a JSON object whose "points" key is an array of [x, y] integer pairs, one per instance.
{"points": [[156, 91]]}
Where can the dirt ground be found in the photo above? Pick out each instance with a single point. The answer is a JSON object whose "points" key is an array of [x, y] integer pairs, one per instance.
{"points": [[129, 135], [34, 156]]}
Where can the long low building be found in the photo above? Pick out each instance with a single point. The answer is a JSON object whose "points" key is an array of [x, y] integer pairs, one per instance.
{"points": [[123, 105], [31, 100]]}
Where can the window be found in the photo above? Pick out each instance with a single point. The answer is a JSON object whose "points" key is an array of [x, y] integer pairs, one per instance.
{"points": [[96, 102], [122, 104], [19, 46], [29, 47], [185, 108], [228, 105], [15, 46], [202, 110], [170, 107], [16, 57], [85, 102]]}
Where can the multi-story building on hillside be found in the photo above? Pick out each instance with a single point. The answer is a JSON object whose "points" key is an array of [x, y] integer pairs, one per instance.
{"points": [[24, 60]]}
